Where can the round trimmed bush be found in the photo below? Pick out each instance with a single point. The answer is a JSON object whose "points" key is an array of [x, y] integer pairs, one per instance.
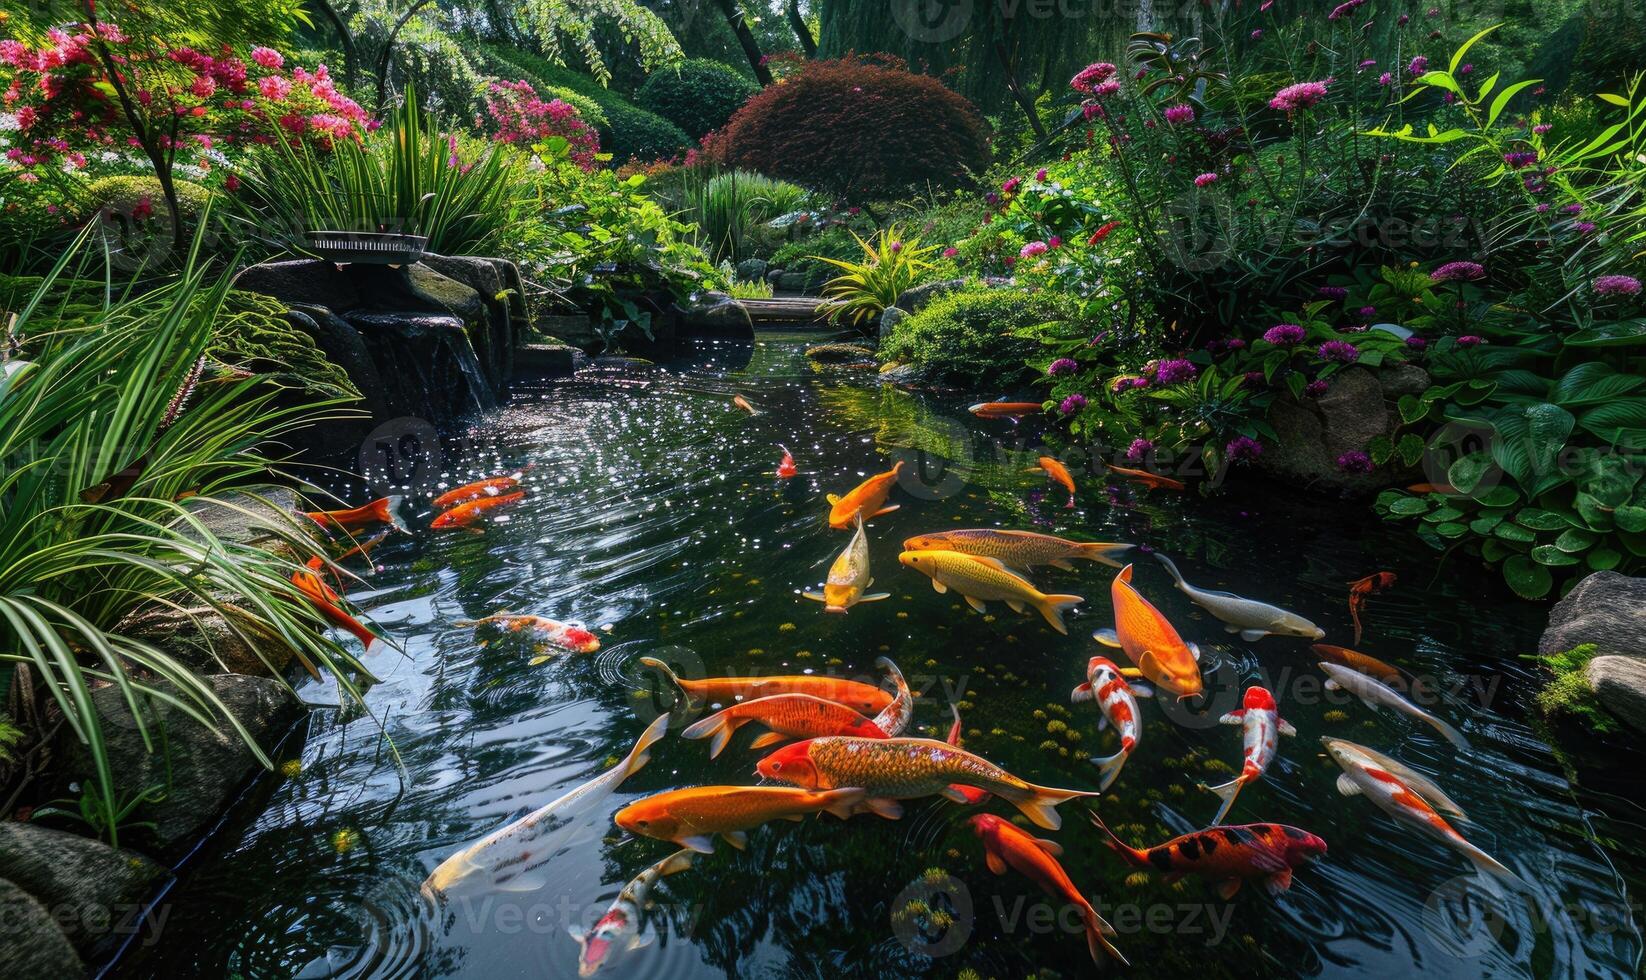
{"points": [[968, 336], [697, 95], [641, 135], [142, 194], [863, 128]]}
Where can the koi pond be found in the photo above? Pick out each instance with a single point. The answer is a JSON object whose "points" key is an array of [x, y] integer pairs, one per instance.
{"points": [[654, 517]]}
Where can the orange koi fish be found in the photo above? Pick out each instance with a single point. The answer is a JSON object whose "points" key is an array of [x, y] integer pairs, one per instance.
{"points": [[907, 768], [786, 469], [364, 548], [867, 498], [377, 512], [863, 698], [1229, 856], [1431, 488], [1152, 480], [563, 635], [1059, 474], [1035, 858], [1360, 588], [1012, 411], [321, 596], [465, 515], [1148, 638], [691, 817], [787, 715], [1355, 660], [482, 488], [743, 403]]}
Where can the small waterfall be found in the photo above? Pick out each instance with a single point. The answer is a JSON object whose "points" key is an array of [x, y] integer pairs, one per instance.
{"points": [[427, 363]]}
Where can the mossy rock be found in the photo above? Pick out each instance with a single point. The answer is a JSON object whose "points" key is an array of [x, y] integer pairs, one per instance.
{"points": [[124, 195], [972, 336], [252, 332]]}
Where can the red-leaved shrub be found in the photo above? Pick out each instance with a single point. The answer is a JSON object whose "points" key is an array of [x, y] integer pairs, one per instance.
{"points": [[859, 127]]}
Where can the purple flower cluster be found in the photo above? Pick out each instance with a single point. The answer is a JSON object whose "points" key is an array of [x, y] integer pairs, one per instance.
{"points": [[1243, 449], [1333, 292], [1416, 343], [1355, 462], [1458, 272], [1091, 76], [1139, 450], [1340, 351], [1520, 159], [1205, 179], [1063, 365], [1315, 389], [1284, 335], [1033, 249], [1170, 372], [1419, 65], [1470, 340], [1303, 95], [1616, 286], [1072, 405], [1178, 115], [1344, 9]]}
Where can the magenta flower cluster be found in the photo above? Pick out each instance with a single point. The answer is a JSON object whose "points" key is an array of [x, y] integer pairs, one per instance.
{"points": [[1243, 449], [1139, 450], [1303, 95], [1355, 462], [1616, 286], [1062, 366], [1458, 272], [1340, 351], [1170, 372], [1284, 335], [1090, 77], [1179, 115]]}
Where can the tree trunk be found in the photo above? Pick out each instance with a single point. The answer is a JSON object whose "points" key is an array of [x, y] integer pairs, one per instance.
{"points": [[1024, 100], [802, 33], [388, 49], [351, 61], [745, 37]]}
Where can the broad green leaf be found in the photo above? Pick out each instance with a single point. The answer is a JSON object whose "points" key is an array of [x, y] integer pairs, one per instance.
{"points": [[1409, 506], [1575, 541], [1630, 518], [1465, 474], [1442, 514], [1503, 97], [1604, 559], [1463, 49], [1451, 529], [1410, 449], [1498, 496], [1514, 532], [1622, 333], [1540, 520], [1412, 408], [1548, 554], [1527, 578], [1483, 525]]}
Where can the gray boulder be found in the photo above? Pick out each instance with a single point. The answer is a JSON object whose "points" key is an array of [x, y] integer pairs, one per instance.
{"points": [[890, 317], [715, 315], [202, 640], [95, 893], [1619, 684], [1606, 609], [1315, 432], [752, 270], [33, 945], [208, 766]]}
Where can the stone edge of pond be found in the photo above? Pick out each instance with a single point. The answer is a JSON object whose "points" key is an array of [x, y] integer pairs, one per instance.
{"points": [[1604, 615]]}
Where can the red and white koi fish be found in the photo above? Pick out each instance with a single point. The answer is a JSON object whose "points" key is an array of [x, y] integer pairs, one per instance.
{"points": [[1011, 411], [895, 717], [619, 928], [384, 511], [563, 635], [1260, 729], [1035, 858], [786, 469], [1118, 701], [1228, 856], [1365, 774]]}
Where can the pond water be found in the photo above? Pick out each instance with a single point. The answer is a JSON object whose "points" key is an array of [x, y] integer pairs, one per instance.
{"points": [[653, 511]]}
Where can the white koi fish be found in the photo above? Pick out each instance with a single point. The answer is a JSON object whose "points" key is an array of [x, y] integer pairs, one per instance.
{"points": [[1118, 701], [1376, 694], [508, 852], [1363, 775], [619, 928], [895, 717], [1260, 729], [1253, 620]]}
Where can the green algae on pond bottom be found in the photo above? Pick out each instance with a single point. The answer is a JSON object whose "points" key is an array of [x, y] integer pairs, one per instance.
{"points": [[651, 509]]}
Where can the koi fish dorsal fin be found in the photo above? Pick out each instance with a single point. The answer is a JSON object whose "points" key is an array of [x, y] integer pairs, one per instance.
{"points": [[1051, 847], [991, 562], [833, 498], [1125, 575]]}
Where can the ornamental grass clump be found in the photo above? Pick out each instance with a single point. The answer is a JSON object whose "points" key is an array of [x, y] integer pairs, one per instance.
{"points": [[891, 264]]}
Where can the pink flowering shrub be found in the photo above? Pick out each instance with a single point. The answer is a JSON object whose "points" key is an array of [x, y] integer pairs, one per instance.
{"points": [[519, 116], [171, 103]]}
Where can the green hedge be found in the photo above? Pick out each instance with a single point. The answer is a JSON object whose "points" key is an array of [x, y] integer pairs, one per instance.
{"points": [[697, 95], [967, 336]]}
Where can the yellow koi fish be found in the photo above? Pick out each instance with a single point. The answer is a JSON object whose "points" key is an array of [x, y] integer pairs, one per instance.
{"points": [[867, 499], [979, 579], [848, 577]]}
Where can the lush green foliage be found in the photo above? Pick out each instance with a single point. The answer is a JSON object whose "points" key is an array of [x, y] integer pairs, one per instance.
{"points": [[974, 336], [1568, 692], [730, 206], [889, 265], [119, 415], [697, 95], [860, 128]]}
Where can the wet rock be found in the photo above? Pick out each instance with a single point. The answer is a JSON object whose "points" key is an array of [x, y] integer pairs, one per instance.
{"points": [[203, 640], [208, 766], [796, 282], [715, 315], [1606, 609], [548, 360], [839, 353], [1619, 683], [95, 893], [752, 270], [498, 286], [429, 367], [1314, 433], [1403, 379], [250, 518], [575, 329], [306, 282], [890, 317], [33, 945]]}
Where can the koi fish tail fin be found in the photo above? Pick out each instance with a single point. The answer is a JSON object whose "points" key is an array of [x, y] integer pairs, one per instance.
{"points": [[669, 677], [1108, 769], [1489, 867], [1171, 567], [1227, 792], [641, 753], [1054, 606], [1040, 803], [1098, 932], [1129, 854], [1102, 551], [718, 728], [1449, 733], [387, 510]]}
